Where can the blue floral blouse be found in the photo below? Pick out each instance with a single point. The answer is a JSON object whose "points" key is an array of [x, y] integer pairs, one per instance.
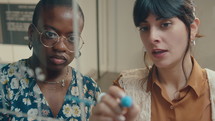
{"points": [[22, 100]]}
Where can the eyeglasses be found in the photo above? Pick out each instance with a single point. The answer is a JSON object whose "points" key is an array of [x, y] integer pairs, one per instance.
{"points": [[50, 38]]}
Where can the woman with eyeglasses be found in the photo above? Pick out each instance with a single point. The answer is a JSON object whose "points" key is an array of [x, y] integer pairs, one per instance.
{"points": [[44, 85], [175, 87]]}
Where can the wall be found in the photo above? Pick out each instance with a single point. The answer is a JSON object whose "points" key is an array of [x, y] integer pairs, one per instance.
{"points": [[204, 51], [124, 45]]}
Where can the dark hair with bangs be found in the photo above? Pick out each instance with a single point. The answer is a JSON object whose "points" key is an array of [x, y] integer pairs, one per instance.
{"points": [[182, 9], [52, 3]]}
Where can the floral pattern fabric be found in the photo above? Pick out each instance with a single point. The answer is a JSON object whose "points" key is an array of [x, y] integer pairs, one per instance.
{"points": [[22, 97]]}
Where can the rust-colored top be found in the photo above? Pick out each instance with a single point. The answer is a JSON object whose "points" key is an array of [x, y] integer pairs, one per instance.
{"points": [[193, 103]]}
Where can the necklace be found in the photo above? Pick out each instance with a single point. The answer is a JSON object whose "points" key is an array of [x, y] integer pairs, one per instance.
{"points": [[61, 81]]}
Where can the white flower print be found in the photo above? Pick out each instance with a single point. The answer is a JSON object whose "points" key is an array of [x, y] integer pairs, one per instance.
{"points": [[44, 101], [26, 101], [76, 111], [30, 72], [85, 88], [17, 110], [21, 71], [14, 83], [32, 113], [3, 80], [94, 84], [10, 94], [41, 100], [11, 71], [24, 83], [75, 91], [72, 119], [37, 89], [67, 110], [23, 68]]}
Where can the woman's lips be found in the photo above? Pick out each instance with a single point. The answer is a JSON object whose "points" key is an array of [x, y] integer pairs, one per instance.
{"points": [[158, 53], [58, 60]]}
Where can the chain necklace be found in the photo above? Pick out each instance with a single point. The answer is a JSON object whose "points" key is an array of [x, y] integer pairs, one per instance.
{"points": [[56, 82], [61, 81]]}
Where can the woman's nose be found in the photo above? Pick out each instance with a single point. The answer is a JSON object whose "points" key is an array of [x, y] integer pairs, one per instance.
{"points": [[60, 45], [154, 36]]}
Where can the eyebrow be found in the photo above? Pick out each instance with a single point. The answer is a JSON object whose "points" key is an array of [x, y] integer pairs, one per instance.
{"points": [[47, 26], [56, 30]]}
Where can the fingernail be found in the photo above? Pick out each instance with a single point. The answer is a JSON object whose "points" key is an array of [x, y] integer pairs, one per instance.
{"points": [[121, 118], [124, 111], [122, 94]]}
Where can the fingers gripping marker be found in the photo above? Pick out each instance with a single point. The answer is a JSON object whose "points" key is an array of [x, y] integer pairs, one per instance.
{"points": [[126, 101], [100, 96]]}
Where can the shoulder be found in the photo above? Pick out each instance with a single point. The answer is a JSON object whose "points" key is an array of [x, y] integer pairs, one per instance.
{"points": [[12, 77], [90, 87], [13, 66], [211, 79], [2, 65], [87, 81], [12, 71], [210, 74], [134, 73], [133, 78]]}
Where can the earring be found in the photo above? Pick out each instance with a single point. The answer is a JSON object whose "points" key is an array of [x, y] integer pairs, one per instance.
{"points": [[78, 55], [193, 42], [30, 44]]}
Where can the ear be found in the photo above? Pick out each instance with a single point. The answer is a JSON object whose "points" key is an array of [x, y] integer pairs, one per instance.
{"points": [[30, 31], [194, 28]]}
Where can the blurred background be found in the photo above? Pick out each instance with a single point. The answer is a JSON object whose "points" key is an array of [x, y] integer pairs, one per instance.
{"points": [[112, 42]]}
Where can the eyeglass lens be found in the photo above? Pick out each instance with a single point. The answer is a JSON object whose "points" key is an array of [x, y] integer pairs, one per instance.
{"points": [[50, 39]]}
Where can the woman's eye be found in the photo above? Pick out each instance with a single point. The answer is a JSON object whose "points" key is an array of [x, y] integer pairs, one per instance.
{"points": [[144, 28], [167, 24], [72, 39], [51, 35]]}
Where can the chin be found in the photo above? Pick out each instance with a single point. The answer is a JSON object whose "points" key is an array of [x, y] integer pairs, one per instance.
{"points": [[56, 67], [162, 65]]}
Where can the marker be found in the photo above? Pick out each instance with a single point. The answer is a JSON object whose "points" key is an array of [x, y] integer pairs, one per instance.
{"points": [[126, 101]]}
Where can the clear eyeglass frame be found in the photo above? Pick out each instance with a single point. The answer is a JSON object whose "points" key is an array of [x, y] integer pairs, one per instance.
{"points": [[81, 42]]}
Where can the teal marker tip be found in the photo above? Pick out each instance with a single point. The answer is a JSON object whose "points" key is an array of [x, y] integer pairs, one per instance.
{"points": [[126, 101]]}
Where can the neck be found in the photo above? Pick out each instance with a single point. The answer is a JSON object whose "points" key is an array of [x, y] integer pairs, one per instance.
{"points": [[176, 76]]}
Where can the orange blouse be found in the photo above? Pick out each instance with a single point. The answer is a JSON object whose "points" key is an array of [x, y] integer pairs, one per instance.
{"points": [[193, 103]]}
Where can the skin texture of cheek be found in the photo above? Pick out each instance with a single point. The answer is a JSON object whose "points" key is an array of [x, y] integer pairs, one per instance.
{"points": [[175, 42], [40, 53]]}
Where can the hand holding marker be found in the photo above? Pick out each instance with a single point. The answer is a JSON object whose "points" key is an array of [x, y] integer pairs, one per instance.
{"points": [[125, 101]]}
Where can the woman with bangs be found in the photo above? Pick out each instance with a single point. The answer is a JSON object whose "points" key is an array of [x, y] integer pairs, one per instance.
{"points": [[174, 87]]}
